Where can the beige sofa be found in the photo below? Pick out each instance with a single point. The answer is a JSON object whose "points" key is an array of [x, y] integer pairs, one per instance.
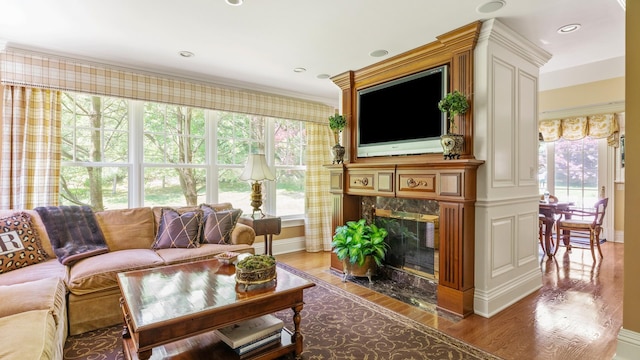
{"points": [[68, 300]]}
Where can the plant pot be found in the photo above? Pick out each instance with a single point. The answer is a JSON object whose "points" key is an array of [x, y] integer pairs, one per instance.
{"points": [[338, 153], [452, 145], [367, 269]]}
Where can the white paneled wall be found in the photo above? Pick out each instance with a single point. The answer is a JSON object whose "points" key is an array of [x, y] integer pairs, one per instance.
{"points": [[505, 136]]}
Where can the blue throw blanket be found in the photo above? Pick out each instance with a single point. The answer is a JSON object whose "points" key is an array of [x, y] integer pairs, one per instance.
{"points": [[73, 231]]}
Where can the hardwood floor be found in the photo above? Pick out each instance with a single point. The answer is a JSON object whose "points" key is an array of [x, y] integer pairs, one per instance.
{"points": [[575, 315]]}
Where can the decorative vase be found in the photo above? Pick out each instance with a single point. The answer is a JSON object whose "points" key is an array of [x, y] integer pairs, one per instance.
{"points": [[452, 145], [338, 153], [367, 269]]}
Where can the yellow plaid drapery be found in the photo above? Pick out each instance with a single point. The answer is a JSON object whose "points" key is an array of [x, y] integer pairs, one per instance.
{"points": [[598, 126], [31, 143], [318, 231], [49, 72]]}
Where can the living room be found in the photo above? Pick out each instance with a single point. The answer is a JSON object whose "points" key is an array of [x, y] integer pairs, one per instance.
{"points": [[607, 91]]}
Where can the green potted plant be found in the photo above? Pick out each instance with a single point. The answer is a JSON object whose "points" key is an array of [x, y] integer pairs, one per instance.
{"points": [[453, 103], [337, 123], [360, 246]]}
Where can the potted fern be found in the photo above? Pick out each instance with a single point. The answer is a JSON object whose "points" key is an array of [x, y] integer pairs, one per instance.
{"points": [[337, 123], [454, 104], [360, 247]]}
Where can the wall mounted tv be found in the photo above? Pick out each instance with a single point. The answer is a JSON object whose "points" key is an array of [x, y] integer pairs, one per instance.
{"points": [[401, 117]]}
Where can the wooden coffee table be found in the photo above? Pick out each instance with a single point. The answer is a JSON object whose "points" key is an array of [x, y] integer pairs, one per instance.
{"points": [[170, 312]]}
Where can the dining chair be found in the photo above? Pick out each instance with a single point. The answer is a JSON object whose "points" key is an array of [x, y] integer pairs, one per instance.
{"points": [[543, 223], [583, 221]]}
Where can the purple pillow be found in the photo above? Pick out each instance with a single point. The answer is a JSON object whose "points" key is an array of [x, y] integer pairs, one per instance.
{"points": [[179, 230], [218, 225]]}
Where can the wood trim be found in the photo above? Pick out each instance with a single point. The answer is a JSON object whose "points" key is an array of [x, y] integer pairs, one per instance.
{"points": [[424, 176]]}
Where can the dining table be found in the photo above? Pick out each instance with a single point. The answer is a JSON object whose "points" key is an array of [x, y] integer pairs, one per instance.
{"points": [[550, 212]]}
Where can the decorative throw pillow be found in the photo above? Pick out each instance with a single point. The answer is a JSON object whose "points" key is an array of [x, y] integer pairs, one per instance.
{"points": [[218, 225], [19, 243], [178, 230]]}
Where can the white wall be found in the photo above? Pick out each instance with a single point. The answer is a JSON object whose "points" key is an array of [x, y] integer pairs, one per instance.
{"points": [[505, 136]]}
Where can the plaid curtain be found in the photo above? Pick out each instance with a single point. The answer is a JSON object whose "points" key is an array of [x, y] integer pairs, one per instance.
{"points": [[318, 231], [31, 148]]}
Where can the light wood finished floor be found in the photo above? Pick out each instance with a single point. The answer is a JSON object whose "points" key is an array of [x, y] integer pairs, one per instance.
{"points": [[575, 315]]}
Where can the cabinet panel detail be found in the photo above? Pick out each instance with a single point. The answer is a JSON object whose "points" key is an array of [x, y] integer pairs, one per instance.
{"points": [[451, 184], [361, 181], [336, 181], [385, 181], [415, 182]]}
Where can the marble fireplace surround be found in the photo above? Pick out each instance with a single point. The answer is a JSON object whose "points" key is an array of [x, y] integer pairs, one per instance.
{"points": [[413, 233]]}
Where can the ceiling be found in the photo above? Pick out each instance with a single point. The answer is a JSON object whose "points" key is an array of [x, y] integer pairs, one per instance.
{"points": [[259, 44]]}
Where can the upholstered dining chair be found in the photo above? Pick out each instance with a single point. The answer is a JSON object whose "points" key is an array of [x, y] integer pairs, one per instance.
{"points": [[583, 221]]}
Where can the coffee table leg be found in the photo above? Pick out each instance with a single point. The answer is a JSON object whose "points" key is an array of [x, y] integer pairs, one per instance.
{"points": [[296, 337]]}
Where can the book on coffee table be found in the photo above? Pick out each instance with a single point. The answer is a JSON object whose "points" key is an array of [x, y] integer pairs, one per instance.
{"points": [[250, 330], [259, 344]]}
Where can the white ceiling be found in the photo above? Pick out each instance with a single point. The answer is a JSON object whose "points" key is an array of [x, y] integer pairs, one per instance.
{"points": [[257, 45]]}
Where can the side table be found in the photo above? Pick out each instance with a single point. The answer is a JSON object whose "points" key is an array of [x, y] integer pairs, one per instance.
{"points": [[266, 225]]}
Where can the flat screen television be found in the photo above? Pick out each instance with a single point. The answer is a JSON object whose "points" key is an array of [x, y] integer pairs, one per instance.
{"points": [[401, 117]]}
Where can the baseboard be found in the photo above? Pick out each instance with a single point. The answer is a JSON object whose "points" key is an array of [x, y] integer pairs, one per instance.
{"points": [[281, 246], [490, 302], [618, 236], [628, 345]]}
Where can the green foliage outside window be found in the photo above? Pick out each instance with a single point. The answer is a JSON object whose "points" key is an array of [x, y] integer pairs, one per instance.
{"points": [[96, 163]]}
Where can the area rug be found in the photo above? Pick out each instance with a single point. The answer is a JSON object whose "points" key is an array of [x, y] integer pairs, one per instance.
{"points": [[335, 325]]}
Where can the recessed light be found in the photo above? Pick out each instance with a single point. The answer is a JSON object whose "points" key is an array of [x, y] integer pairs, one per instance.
{"points": [[234, 2], [299, 70], [569, 28], [491, 6], [186, 54], [378, 53], [323, 76]]}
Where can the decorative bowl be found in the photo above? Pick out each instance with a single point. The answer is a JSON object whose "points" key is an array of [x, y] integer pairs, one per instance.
{"points": [[256, 269], [227, 257]]}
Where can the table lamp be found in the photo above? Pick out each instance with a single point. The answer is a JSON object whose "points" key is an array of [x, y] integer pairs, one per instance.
{"points": [[256, 170]]}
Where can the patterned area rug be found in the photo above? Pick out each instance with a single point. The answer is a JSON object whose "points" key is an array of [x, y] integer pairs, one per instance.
{"points": [[335, 325]]}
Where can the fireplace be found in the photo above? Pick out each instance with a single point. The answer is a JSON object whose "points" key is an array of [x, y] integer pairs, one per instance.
{"points": [[413, 227]]}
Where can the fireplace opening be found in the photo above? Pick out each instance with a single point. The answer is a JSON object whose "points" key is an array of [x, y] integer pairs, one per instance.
{"points": [[413, 241]]}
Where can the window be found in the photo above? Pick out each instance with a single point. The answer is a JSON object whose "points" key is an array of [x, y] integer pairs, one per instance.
{"points": [[173, 155], [95, 165], [569, 170], [120, 153]]}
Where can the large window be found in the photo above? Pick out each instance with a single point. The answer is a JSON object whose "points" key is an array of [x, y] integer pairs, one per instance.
{"points": [[120, 153], [569, 170]]}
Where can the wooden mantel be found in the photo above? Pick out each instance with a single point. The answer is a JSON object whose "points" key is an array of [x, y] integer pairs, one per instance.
{"points": [[427, 176]]}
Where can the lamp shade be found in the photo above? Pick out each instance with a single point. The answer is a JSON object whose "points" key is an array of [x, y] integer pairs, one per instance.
{"points": [[257, 169]]}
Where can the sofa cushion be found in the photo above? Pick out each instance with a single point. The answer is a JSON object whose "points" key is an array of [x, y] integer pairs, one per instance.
{"points": [[179, 230], [100, 272], [127, 228], [48, 269], [218, 225], [45, 294], [29, 335], [205, 251], [157, 210], [19, 243]]}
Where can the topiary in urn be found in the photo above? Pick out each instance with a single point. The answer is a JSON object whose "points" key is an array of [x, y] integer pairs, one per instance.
{"points": [[337, 123], [454, 103]]}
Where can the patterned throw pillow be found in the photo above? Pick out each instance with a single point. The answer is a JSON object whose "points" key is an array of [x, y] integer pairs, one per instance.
{"points": [[179, 230], [19, 243], [218, 225]]}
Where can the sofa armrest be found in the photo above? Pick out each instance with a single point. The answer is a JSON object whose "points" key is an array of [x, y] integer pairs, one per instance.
{"points": [[243, 234]]}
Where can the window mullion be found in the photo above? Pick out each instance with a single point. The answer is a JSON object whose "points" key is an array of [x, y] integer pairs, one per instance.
{"points": [[136, 142]]}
